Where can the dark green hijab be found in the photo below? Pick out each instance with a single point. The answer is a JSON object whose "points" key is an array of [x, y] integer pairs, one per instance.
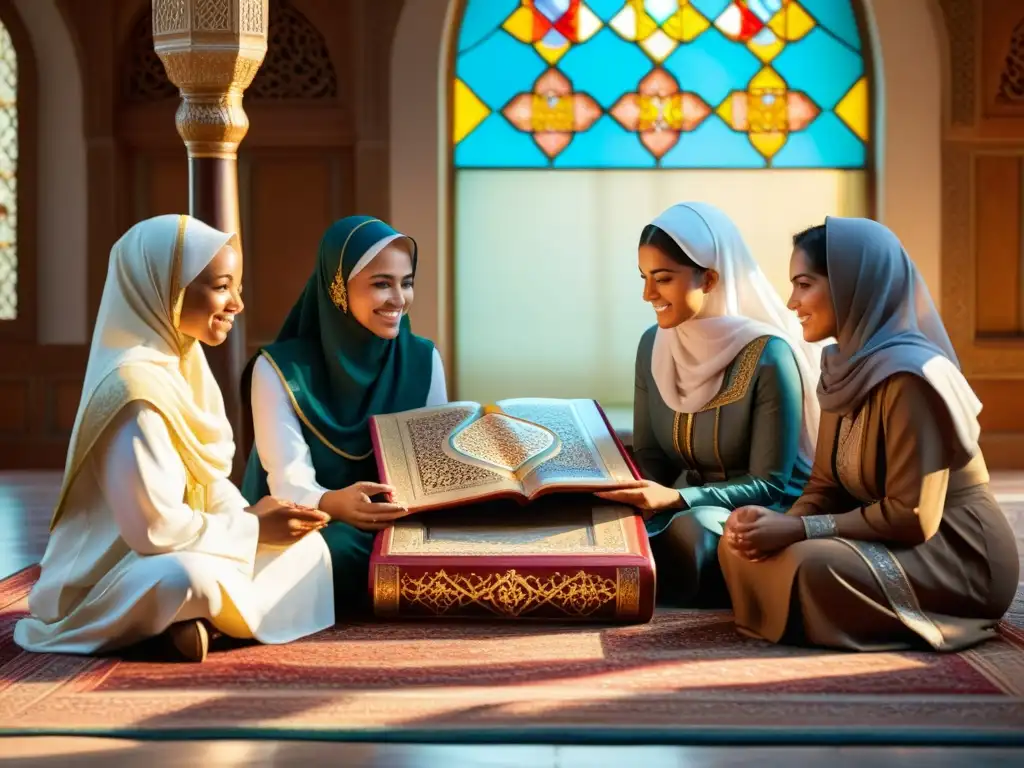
{"points": [[337, 372]]}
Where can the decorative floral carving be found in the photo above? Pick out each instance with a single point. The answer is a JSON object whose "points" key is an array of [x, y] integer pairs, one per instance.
{"points": [[960, 21], [168, 16], [250, 18], [212, 15], [1011, 82], [297, 64], [145, 78]]}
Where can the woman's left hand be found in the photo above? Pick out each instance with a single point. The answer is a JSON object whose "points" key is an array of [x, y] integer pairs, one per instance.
{"points": [[757, 533], [645, 495]]}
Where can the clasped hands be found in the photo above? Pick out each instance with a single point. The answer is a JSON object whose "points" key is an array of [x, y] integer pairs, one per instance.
{"points": [[752, 532], [284, 522]]}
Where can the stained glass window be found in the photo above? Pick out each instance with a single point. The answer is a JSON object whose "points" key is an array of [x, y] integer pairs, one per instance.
{"points": [[8, 177], [592, 84]]}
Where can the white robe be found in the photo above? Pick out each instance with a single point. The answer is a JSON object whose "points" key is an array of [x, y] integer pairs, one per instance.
{"points": [[279, 440], [132, 558]]}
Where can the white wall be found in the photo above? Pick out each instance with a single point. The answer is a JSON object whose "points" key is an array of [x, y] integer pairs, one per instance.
{"points": [[62, 183], [546, 266], [909, 54]]}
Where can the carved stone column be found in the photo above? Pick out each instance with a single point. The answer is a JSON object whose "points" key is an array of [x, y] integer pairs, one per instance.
{"points": [[211, 50]]}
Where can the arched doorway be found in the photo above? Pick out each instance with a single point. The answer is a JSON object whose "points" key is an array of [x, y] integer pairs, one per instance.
{"points": [[574, 122]]}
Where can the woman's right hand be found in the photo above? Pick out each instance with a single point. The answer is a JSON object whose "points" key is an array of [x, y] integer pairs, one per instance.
{"points": [[352, 505], [284, 522]]}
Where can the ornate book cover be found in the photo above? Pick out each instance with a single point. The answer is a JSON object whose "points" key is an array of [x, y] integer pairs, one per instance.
{"points": [[463, 452], [566, 557]]}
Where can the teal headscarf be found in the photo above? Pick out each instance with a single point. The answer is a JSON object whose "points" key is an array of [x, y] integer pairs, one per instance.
{"points": [[339, 373]]}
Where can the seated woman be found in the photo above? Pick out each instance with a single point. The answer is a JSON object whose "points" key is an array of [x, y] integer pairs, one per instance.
{"points": [[897, 541], [724, 411], [344, 354], [149, 536]]}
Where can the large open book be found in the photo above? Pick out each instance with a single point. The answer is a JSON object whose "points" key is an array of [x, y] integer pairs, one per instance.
{"points": [[464, 452]]}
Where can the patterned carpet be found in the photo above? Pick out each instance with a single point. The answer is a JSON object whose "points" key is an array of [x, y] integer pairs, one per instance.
{"points": [[686, 677]]}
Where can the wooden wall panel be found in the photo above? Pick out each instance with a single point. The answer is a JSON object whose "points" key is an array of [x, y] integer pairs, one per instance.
{"points": [[1002, 404], [290, 194], [42, 394], [66, 396], [166, 183], [998, 228], [14, 407]]}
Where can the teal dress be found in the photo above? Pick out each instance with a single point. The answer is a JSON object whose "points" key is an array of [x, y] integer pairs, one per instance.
{"points": [[338, 374], [740, 449]]}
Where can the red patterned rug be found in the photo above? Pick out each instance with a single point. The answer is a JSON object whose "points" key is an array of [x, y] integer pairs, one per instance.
{"points": [[686, 677]]}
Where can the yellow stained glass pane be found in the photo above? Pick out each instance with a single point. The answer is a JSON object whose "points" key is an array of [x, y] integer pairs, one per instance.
{"points": [[766, 78], [520, 24], [853, 109], [469, 111], [768, 143], [767, 52], [686, 24], [792, 22]]}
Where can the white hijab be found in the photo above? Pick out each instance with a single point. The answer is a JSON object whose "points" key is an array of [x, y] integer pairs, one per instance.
{"points": [[689, 361], [138, 353]]}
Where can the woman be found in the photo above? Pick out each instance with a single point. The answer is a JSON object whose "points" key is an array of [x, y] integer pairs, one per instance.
{"points": [[345, 353], [897, 541], [149, 536], [724, 412]]}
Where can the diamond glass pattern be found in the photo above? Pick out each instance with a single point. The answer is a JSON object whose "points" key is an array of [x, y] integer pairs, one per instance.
{"points": [[8, 177], [660, 83]]}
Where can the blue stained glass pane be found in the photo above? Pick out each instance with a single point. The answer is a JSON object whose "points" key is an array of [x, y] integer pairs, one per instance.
{"points": [[483, 17], [606, 145], [712, 66], [764, 9], [605, 9], [499, 68], [713, 144], [605, 67], [553, 39], [711, 9], [496, 143], [825, 143], [837, 17], [496, 67], [820, 66], [552, 9]]}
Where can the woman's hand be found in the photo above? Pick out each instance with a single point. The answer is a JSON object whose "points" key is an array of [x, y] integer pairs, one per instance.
{"points": [[352, 505], [645, 495], [284, 522], [757, 533]]}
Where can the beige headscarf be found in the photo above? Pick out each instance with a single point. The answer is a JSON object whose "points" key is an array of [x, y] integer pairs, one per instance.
{"points": [[138, 353]]}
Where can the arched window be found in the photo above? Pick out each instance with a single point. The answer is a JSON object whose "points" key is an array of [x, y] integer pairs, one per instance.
{"points": [[8, 177], [575, 122]]}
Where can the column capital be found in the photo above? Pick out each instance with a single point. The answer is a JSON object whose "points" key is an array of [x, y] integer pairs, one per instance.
{"points": [[211, 50]]}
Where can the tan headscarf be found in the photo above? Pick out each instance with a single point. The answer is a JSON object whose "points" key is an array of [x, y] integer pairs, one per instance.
{"points": [[887, 325], [138, 353]]}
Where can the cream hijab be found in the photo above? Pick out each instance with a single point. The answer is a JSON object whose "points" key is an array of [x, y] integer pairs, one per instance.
{"points": [[138, 353], [689, 361]]}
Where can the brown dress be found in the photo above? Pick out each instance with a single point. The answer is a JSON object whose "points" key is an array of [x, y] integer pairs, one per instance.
{"points": [[928, 557]]}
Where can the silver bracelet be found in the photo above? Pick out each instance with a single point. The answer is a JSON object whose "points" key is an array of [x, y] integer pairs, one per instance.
{"points": [[820, 526]]}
